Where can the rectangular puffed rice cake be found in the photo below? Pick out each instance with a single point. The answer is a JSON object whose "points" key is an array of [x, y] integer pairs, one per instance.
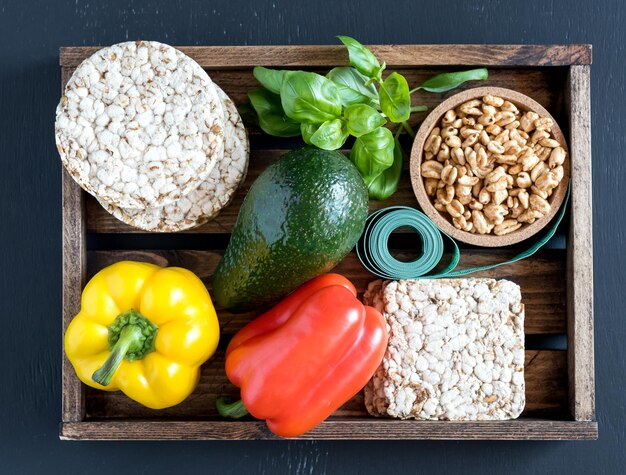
{"points": [[456, 350]]}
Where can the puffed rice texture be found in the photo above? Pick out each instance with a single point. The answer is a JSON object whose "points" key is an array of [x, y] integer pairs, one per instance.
{"points": [[456, 350], [140, 125], [212, 195]]}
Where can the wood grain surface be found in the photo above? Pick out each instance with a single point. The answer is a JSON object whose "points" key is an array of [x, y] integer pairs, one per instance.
{"points": [[545, 373], [74, 270], [544, 298], [580, 252], [393, 55], [358, 429]]}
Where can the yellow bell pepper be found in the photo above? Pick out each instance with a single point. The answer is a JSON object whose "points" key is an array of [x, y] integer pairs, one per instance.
{"points": [[144, 330]]}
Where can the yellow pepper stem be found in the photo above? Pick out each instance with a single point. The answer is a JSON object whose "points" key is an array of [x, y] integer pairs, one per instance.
{"points": [[131, 336]]}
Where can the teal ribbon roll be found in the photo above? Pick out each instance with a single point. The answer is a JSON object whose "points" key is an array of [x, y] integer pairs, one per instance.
{"points": [[373, 248]]}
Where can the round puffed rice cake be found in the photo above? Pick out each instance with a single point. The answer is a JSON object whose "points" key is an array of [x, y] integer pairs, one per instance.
{"points": [[213, 194], [140, 125]]}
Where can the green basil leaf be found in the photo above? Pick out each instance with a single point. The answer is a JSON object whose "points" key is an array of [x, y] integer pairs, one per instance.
{"points": [[248, 114], [395, 100], [352, 86], [447, 81], [271, 116], [309, 97], [362, 119], [270, 79], [308, 130], [331, 135], [386, 184], [373, 153], [362, 58], [244, 109]]}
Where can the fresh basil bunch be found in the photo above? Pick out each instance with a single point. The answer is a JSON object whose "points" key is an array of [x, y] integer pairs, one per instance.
{"points": [[350, 100]]}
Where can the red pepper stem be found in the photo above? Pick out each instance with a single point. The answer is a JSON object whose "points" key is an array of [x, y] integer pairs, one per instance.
{"points": [[232, 410], [130, 335]]}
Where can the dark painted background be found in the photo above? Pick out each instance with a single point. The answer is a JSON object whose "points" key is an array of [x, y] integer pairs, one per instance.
{"points": [[31, 33]]}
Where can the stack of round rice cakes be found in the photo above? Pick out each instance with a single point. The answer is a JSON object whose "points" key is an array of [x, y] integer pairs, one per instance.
{"points": [[144, 129]]}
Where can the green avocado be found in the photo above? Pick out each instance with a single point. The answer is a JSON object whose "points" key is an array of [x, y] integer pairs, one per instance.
{"points": [[302, 215]]}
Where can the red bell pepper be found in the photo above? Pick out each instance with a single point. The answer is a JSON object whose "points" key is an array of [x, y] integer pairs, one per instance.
{"points": [[303, 359]]}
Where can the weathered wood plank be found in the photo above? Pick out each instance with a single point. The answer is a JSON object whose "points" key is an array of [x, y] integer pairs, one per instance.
{"points": [[74, 268], [542, 279], [223, 57], [580, 255], [545, 374], [359, 429]]}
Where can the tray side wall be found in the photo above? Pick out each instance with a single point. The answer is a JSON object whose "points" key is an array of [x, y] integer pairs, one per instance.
{"points": [[580, 251], [236, 57], [74, 271], [528, 429]]}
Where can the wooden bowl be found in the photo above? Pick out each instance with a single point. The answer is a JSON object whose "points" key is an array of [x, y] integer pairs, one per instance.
{"points": [[444, 222]]}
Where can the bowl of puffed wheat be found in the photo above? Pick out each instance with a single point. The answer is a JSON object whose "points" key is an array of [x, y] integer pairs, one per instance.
{"points": [[490, 166]]}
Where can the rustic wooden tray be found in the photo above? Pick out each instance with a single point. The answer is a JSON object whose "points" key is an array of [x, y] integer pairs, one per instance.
{"points": [[557, 283]]}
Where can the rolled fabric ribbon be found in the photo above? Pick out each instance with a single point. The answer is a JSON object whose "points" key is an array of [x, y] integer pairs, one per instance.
{"points": [[373, 249]]}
